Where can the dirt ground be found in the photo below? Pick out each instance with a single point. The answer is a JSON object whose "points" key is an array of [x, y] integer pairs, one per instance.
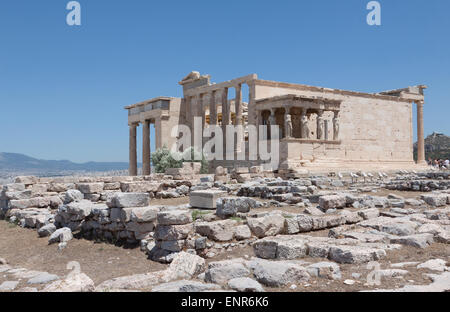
{"points": [[100, 261], [103, 261]]}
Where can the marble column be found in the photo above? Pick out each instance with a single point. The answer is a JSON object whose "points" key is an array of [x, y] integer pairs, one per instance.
{"points": [[188, 111], [320, 125], [238, 119], [212, 109], [146, 147], [133, 154], [225, 119], [420, 134], [238, 105], [225, 108], [201, 109]]}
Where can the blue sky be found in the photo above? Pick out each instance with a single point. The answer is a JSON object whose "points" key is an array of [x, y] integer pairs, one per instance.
{"points": [[63, 89]]}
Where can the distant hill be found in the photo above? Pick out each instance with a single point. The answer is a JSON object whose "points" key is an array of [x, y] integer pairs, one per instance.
{"points": [[20, 162], [437, 146]]}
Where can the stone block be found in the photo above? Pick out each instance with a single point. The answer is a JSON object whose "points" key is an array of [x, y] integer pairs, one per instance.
{"points": [[205, 199]]}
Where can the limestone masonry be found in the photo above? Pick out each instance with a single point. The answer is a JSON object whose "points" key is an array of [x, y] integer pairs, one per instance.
{"points": [[319, 127]]}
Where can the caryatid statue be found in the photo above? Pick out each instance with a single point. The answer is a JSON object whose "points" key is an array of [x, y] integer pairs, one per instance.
{"points": [[288, 126], [305, 127], [320, 126], [336, 126]]}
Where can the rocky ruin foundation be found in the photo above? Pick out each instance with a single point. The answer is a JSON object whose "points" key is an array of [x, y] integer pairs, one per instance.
{"points": [[274, 233]]}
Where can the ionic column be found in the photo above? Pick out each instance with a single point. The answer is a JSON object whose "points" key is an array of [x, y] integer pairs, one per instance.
{"points": [[320, 125], [238, 105], [212, 109], [238, 118], [193, 112], [225, 108], [420, 134], [146, 147], [133, 154], [188, 111], [225, 119], [201, 109]]}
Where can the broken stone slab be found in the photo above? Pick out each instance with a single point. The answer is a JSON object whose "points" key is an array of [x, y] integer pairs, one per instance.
{"points": [[443, 237], [366, 237], [221, 273], [413, 202], [245, 284], [280, 247], [137, 281], [185, 286], [18, 195], [370, 213], [13, 187], [417, 240], [27, 180], [173, 232], [81, 209], [431, 228], [230, 206], [221, 231], [140, 187], [90, 188], [8, 285], [242, 232], [325, 269], [332, 201], [128, 200], [391, 273], [435, 200], [43, 278], [394, 226], [320, 223], [279, 273], [75, 282], [174, 217], [434, 264], [73, 196], [171, 245], [144, 214], [46, 230], [269, 225], [186, 265], [355, 254], [441, 283], [60, 235]]}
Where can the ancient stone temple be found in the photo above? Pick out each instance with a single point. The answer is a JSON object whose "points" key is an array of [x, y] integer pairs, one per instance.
{"points": [[319, 127]]}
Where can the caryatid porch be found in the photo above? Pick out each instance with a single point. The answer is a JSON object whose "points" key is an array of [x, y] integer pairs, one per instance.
{"points": [[300, 117]]}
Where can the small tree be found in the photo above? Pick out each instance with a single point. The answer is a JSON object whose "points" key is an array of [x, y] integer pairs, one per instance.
{"points": [[162, 159]]}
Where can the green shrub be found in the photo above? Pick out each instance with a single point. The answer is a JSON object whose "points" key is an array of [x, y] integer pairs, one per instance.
{"points": [[162, 159]]}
